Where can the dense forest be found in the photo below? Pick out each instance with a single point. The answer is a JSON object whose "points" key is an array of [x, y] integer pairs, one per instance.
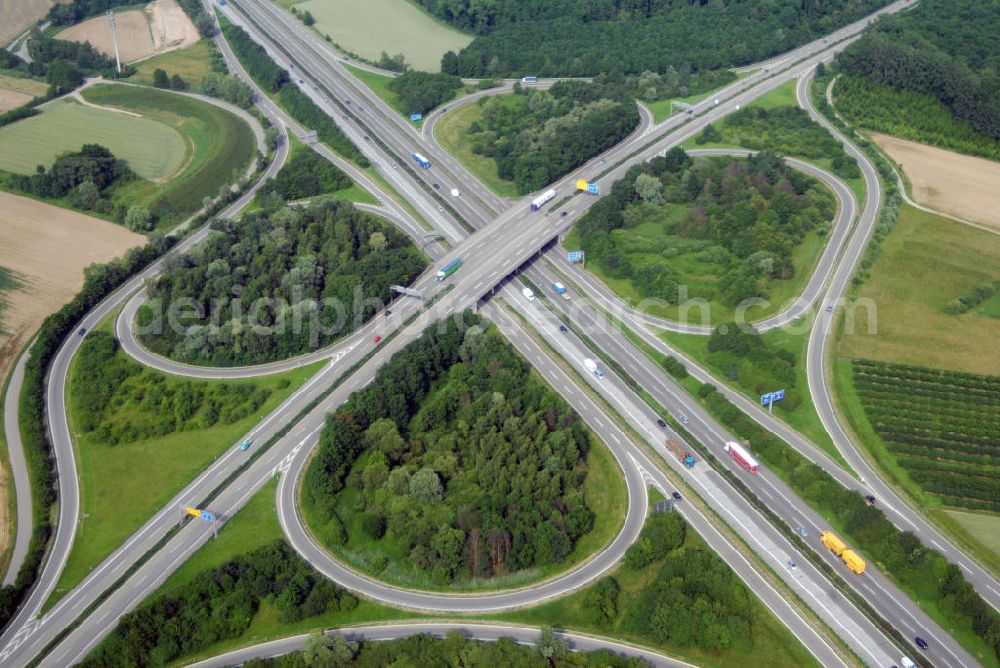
{"points": [[278, 283], [544, 134], [570, 38], [217, 605], [419, 92], [674, 218], [945, 49], [122, 401], [456, 460], [784, 130], [82, 175], [452, 650], [307, 174]]}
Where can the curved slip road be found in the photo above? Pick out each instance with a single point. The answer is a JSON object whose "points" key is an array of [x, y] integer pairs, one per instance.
{"points": [[482, 631]]}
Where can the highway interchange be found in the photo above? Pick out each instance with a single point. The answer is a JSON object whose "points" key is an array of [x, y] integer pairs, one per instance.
{"points": [[504, 240]]}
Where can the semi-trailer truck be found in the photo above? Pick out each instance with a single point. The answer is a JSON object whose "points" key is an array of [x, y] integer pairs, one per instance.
{"points": [[449, 269], [592, 367], [853, 561], [422, 161], [742, 456], [686, 457], [540, 201], [837, 546]]}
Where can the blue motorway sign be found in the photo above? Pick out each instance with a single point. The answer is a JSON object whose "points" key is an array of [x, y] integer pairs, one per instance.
{"points": [[207, 516], [574, 256], [593, 189], [416, 117], [765, 399], [779, 395]]}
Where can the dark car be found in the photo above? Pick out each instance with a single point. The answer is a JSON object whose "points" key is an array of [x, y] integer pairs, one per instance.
{"points": [[677, 496], [562, 328], [437, 186], [563, 213], [83, 330], [921, 643], [388, 312], [870, 499], [662, 423]]}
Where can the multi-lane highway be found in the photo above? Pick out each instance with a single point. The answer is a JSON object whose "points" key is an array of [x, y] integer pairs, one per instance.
{"points": [[491, 254]]}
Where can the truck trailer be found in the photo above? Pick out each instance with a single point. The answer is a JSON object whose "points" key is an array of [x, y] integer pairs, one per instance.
{"points": [[742, 456], [853, 561], [686, 457], [540, 201], [422, 161], [449, 269]]}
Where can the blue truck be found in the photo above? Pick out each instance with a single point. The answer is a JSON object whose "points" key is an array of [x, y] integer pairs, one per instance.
{"points": [[422, 161], [449, 269]]}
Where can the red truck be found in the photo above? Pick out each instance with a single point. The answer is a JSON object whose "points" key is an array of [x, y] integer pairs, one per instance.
{"points": [[742, 456]]}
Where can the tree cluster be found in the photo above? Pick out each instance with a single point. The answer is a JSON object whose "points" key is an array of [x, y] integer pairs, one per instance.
{"points": [[280, 283], [457, 458], [452, 650], [548, 133], [785, 130], [162, 80], [307, 174], [218, 605], [973, 298], [661, 534], [122, 401], [741, 216], [569, 38], [694, 601], [920, 569], [745, 358], [227, 88], [419, 92], [83, 175], [99, 281], [945, 49], [273, 79]]}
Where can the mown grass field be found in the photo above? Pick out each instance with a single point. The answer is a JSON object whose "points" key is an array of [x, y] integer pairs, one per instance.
{"points": [[926, 262], [782, 96], [220, 147], [606, 496], [122, 486], [395, 26], [153, 150], [451, 132], [191, 63]]}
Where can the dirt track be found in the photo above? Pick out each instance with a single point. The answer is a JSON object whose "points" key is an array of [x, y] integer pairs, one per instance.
{"points": [[946, 181]]}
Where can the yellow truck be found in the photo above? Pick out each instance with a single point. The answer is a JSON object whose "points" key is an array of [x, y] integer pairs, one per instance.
{"points": [[832, 542], [853, 561], [837, 546]]}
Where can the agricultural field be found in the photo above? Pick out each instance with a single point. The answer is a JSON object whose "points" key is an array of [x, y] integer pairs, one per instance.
{"points": [[942, 426], [370, 27], [19, 15], [962, 185], [900, 319], [40, 275], [219, 148], [154, 150], [16, 91], [160, 27]]}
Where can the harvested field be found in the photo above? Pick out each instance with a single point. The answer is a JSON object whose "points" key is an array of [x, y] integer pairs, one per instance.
{"points": [[153, 150], [35, 239], [946, 181], [162, 26], [19, 15], [15, 91]]}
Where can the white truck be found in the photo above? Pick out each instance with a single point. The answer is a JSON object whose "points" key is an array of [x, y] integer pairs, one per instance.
{"points": [[592, 367], [528, 294]]}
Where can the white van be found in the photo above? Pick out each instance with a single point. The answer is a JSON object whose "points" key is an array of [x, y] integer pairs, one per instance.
{"points": [[528, 294]]}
